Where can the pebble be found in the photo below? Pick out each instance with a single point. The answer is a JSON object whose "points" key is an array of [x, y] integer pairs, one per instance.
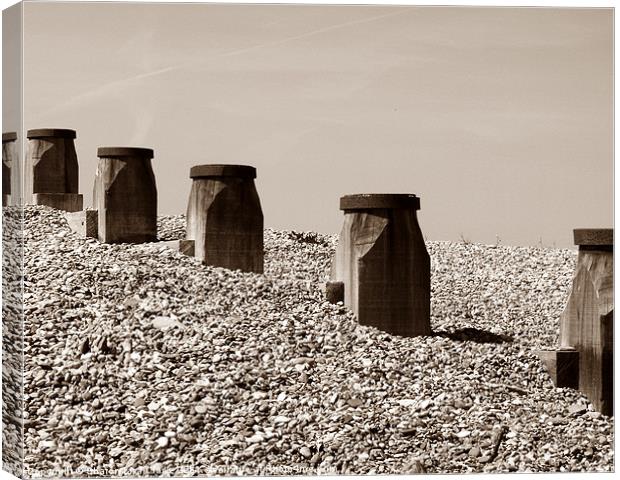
{"points": [[424, 404], [474, 452], [558, 420], [578, 409], [162, 442], [256, 438], [47, 444], [164, 323]]}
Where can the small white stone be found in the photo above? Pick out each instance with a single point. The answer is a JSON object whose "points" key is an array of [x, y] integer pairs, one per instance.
{"points": [[164, 323], [162, 442], [256, 438], [49, 444]]}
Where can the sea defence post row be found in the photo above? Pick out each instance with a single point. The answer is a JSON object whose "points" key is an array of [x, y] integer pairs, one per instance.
{"points": [[381, 268]]}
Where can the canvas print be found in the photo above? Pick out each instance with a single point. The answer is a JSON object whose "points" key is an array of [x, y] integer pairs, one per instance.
{"points": [[271, 240]]}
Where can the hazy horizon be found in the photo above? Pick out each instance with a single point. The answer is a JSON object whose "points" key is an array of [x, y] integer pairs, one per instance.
{"points": [[500, 119]]}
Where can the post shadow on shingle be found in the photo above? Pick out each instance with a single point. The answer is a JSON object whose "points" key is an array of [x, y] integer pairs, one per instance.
{"points": [[471, 334]]}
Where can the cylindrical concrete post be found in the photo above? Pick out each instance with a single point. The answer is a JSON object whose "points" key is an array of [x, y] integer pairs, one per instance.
{"points": [[52, 171], [587, 321], [224, 217], [382, 260], [8, 159], [125, 195]]}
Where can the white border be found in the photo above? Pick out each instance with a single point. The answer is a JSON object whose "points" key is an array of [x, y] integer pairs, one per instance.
{"points": [[478, 3]]}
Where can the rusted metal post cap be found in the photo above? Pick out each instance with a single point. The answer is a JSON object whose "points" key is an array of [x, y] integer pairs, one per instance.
{"points": [[241, 171], [51, 132], [367, 201], [9, 137], [599, 237], [116, 152]]}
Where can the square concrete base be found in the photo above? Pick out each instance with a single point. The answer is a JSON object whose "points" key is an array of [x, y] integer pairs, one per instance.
{"points": [[186, 247], [69, 202], [84, 223], [562, 365], [334, 292]]}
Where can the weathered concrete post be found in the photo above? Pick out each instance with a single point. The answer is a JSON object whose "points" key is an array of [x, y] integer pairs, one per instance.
{"points": [[52, 171], [382, 260], [125, 195], [224, 217], [584, 359], [8, 159]]}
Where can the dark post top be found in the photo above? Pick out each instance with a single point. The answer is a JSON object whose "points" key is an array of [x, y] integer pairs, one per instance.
{"points": [[125, 152], [367, 201], [594, 236], [51, 132], [242, 171], [9, 137]]}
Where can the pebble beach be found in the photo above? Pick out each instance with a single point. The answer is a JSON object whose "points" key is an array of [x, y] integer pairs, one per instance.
{"points": [[140, 360]]}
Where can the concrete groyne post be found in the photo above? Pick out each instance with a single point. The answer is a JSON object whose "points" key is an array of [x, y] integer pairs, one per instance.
{"points": [[125, 195], [383, 263], [584, 359], [52, 171], [224, 217], [587, 321], [8, 160]]}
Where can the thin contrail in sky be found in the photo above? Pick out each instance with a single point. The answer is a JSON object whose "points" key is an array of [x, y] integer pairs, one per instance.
{"points": [[161, 71], [275, 43]]}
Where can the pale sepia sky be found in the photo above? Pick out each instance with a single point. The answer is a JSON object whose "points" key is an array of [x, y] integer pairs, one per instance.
{"points": [[500, 119]]}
